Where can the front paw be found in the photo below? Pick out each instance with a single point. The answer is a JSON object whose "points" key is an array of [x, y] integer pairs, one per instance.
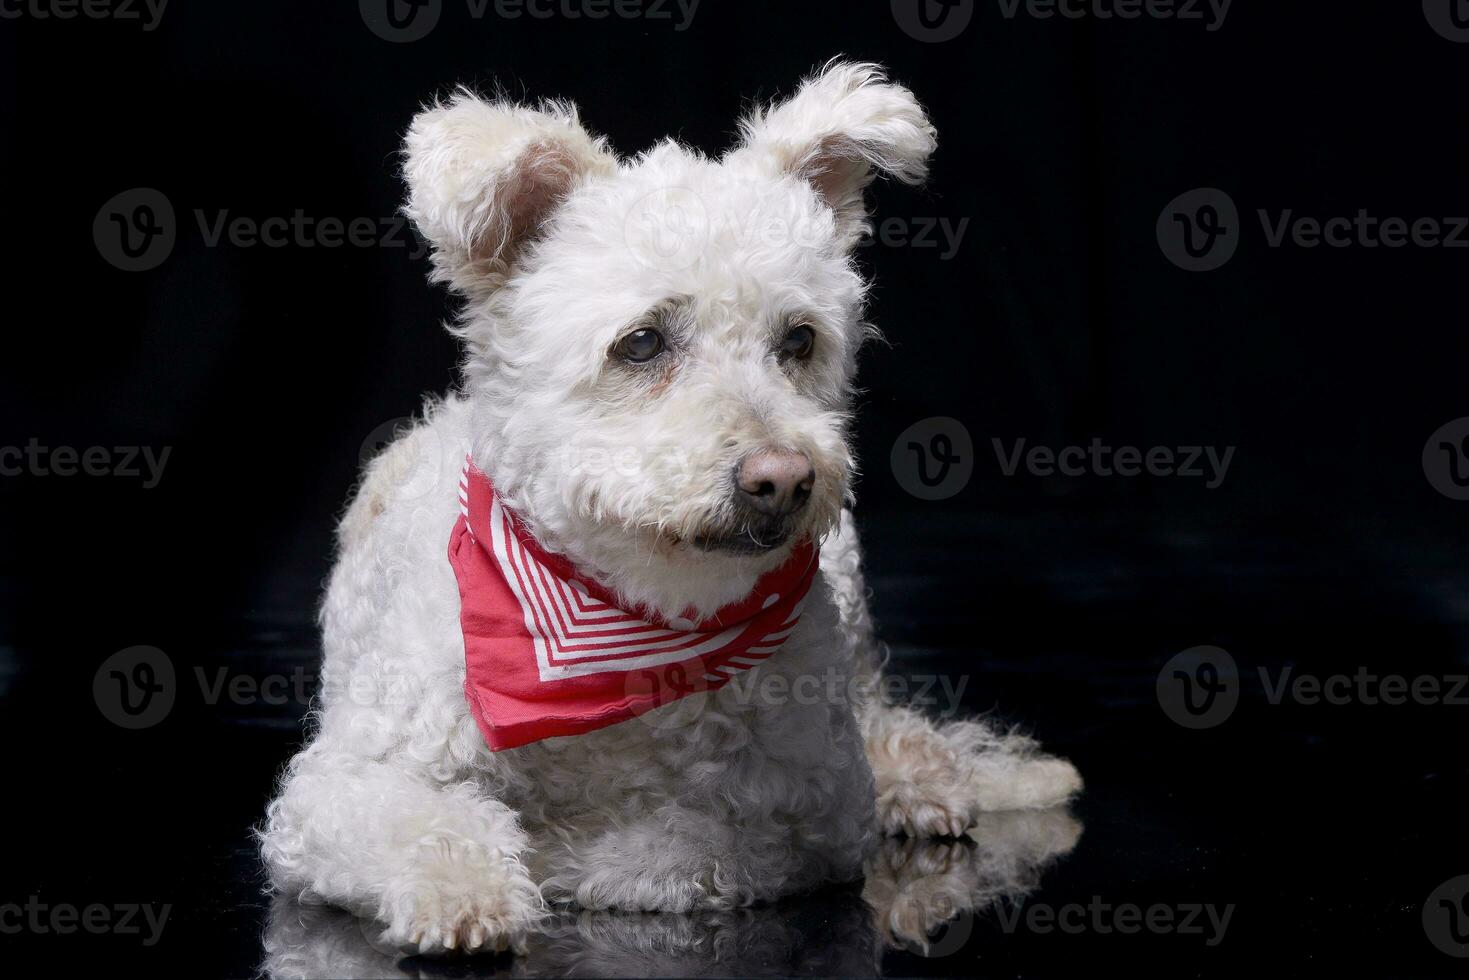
{"points": [[923, 811], [432, 922], [476, 906], [937, 780]]}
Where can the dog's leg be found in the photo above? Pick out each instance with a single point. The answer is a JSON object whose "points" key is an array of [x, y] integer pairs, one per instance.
{"points": [[933, 778], [437, 865], [937, 778]]}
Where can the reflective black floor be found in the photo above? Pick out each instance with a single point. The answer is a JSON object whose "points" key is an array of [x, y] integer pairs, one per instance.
{"points": [[1294, 837]]}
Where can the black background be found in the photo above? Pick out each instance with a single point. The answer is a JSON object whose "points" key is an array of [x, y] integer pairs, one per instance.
{"points": [[1058, 320]]}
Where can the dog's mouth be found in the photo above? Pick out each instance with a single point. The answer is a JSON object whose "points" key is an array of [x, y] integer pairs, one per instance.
{"points": [[748, 540]]}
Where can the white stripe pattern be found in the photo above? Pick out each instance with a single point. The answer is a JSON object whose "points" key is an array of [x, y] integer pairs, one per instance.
{"points": [[575, 634]]}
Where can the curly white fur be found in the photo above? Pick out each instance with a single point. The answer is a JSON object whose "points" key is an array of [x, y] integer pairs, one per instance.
{"points": [[396, 809]]}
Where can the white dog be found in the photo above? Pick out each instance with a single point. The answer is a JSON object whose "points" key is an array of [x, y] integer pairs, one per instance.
{"points": [[658, 371]]}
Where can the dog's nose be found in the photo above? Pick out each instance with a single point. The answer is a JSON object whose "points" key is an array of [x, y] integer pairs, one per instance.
{"points": [[775, 482]]}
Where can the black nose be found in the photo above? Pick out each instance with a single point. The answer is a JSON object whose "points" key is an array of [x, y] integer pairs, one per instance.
{"points": [[775, 483]]}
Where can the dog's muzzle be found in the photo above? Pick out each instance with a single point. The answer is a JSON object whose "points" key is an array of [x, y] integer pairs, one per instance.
{"points": [[770, 488]]}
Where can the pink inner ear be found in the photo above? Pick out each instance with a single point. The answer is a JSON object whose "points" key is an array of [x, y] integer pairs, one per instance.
{"points": [[838, 170], [540, 179]]}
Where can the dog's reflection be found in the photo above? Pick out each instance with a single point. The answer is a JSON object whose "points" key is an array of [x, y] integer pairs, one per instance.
{"points": [[915, 888], [917, 894]]}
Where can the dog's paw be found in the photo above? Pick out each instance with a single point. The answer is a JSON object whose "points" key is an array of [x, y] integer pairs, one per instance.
{"points": [[436, 923], [937, 781], [918, 811], [947, 800], [462, 904], [468, 929]]}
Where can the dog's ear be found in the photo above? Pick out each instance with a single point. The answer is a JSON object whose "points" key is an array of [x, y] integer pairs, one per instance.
{"points": [[843, 126], [483, 176]]}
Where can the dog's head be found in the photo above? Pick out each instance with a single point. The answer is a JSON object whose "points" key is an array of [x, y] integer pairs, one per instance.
{"points": [[660, 350]]}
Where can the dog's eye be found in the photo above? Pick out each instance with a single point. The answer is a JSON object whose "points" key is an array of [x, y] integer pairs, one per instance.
{"points": [[799, 342], [640, 345]]}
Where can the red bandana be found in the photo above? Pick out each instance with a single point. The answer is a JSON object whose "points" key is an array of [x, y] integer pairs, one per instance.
{"points": [[549, 653]]}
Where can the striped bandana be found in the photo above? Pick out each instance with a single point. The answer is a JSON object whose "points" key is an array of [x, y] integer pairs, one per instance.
{"points": [[549, 652]]}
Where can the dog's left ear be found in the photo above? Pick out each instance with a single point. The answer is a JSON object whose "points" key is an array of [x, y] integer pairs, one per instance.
{"points": [[485, 176], [843, 126]]}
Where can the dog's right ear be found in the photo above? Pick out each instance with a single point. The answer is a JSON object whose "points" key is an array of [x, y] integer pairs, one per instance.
{"points": [[483, 176], [843, 127]]}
